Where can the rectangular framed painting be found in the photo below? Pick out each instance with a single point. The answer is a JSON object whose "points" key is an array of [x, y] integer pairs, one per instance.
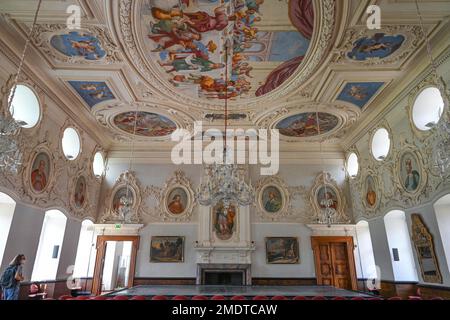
{"points": [[167, 249], [282, 250]]}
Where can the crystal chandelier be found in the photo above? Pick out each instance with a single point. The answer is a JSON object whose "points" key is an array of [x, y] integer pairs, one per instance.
{"points": [[225, 182], [441, 152], [10, 153]]}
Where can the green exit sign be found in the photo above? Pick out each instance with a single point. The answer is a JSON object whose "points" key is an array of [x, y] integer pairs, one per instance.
{"points": [[118, 226]]}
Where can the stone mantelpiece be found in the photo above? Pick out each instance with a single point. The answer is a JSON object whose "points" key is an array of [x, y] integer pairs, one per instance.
{"points": [[202, 268]]}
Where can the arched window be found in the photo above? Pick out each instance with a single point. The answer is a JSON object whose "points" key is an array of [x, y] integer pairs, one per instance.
{"points": [[352, 165], [381, 144], [365, 263], [71, 143], [49, 249], [402, 258], [25, 106], [442, 210], [85, 259], [7, 207], [427, 108]]}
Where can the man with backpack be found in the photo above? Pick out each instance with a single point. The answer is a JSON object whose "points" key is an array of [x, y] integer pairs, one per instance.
{"points": [[11, 278]]}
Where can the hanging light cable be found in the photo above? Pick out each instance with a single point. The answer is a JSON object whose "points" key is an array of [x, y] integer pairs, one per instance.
{"points": [[10, 153]]}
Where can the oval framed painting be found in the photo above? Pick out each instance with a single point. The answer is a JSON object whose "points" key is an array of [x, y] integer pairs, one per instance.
{"points": [[119, 199], [272, 199], [371, 196], [80, 193], [410, 172], [177, 201], [40, 172]]}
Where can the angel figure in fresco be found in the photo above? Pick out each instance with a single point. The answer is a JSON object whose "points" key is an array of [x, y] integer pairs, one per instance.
{"points": [[176, 206], [39, 177], [357, 93], [83, 47], [412, 176]]}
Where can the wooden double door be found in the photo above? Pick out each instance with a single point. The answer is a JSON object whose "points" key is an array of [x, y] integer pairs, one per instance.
{"points": [[334, 261]]}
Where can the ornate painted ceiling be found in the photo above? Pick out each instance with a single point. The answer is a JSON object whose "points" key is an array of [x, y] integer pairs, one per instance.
{"points": [[166, 59]]}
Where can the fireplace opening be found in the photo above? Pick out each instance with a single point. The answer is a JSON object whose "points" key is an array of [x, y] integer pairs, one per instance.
{"points": [[232, 278]]}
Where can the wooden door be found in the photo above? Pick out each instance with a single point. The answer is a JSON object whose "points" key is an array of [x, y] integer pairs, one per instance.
{"points": [[100, 260], [334, 261]]}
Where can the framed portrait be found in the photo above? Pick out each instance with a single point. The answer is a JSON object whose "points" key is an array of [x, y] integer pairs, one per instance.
{"points": [[119, 199], [177, 201], [370, 193], [79, 196], [410, 172], [224, 221], [272, 199], [177, 198], [167, 249], [40, 172], [327, 201], [282, 250]]}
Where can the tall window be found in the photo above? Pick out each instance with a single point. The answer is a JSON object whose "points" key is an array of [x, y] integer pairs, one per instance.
{"points": [[402, 258], [50, 244], [366, 268], [85, 259], [7, 206], [442, 210]]}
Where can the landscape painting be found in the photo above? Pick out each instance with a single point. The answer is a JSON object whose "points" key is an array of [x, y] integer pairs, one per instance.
{"points": [[168, 249], [304, 125], [359, 93], [92, 92], [282, 250]]}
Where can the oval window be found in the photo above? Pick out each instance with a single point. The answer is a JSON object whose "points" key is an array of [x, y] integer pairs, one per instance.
{"points": [[25, 106], [381, 144], [71, 143], [352, 165], [427, 109], [98, 165]]}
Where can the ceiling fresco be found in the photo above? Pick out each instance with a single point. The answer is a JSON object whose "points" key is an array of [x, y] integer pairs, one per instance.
{"points": [[305, 125], [287, 59], [359, 93], [147, 125], [187, 40]]}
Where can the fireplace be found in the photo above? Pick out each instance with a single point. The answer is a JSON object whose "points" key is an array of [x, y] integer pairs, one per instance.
{"points": [[223, 274]]}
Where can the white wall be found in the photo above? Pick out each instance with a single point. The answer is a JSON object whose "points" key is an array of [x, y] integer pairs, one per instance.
{"points": [[52, 234], [7, 206], [365, 260], [85, 256], [187, 269], [442, 209], [381, 249], [398, 237], [68, 250], [24, 237], [305, 269]]}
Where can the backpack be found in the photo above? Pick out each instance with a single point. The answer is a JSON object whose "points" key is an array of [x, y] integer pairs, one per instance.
{"points": [[8, 279]]}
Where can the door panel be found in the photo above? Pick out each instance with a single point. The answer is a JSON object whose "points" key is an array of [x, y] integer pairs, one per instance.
{"points": [[334, 261]]}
